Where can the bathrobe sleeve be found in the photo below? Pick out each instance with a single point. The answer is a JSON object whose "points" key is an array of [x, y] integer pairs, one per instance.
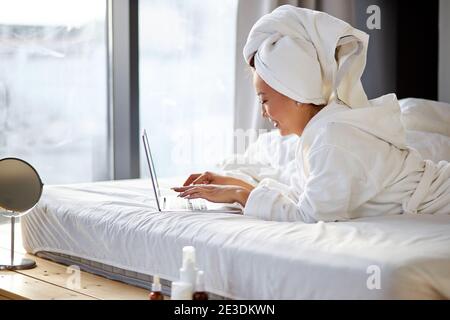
{"points": [[258, 173], [270, 156], [337, 183]]}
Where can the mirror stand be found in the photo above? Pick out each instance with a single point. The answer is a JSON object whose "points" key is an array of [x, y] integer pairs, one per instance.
{"points": [[13, 262]]}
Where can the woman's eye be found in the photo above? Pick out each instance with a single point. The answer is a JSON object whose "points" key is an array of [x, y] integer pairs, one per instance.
{"points": [[263, 108]]}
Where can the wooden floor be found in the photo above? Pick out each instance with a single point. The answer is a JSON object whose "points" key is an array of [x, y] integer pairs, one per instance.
{"points": [[53, 281]]}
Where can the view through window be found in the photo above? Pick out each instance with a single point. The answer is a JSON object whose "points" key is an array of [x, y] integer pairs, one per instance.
{"points": [[187, 52], [53, 87]]}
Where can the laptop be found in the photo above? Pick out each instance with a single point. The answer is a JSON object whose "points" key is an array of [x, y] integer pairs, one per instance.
{"points": [[168, 203]]}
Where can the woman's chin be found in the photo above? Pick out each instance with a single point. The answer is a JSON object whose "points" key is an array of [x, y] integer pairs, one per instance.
{"points": [[286, 132], [283, 132]]}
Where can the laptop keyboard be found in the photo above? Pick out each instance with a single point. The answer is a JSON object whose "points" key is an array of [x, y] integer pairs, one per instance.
{"points": [[187, 204], [196, 204]]}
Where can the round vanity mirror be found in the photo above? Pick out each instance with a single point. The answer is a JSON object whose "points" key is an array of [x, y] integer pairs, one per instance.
{"points": [[20, 190]]}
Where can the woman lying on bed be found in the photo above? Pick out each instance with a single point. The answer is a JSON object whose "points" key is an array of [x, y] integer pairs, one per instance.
{"points": [[352, 160]]}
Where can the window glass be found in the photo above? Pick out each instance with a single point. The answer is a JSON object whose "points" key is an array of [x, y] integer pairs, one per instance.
{"points": [[53, 87], [187, 52]]}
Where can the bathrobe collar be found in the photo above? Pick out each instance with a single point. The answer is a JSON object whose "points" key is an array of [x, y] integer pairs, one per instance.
{"points": [[381, 119]]}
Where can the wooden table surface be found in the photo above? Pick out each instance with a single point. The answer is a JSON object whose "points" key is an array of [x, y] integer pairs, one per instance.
{"points": [[53, 281]]}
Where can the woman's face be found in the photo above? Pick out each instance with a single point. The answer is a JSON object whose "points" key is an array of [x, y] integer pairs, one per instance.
{"points": [[286, 114]]}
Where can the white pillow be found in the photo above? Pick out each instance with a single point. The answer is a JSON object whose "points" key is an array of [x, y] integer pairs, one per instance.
{"points": [[425, 115]]}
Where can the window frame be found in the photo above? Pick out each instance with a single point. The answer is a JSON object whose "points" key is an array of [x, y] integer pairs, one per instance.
{"points": [[123, 88]]}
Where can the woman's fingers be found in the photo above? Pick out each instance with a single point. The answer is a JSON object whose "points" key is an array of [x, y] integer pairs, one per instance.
{"points": [[184, 188], [195, 190], [191, 178], [203, 179], [194, 196], [210, 192]]}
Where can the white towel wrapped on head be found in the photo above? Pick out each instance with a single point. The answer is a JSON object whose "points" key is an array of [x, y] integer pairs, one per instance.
{"points": [[309, 55]]}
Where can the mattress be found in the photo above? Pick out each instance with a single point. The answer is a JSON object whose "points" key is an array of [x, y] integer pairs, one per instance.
{"points": [[116, 224]]}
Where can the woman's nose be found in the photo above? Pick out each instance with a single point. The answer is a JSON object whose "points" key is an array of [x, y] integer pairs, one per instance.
{"points": [[263, 111]]}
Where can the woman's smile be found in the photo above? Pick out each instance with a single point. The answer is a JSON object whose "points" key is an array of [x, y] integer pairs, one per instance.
{"points": [[275, 123]]}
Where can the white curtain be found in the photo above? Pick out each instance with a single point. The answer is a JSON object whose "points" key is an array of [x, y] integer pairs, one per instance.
{"points": [[444, 51], [247, 109]]}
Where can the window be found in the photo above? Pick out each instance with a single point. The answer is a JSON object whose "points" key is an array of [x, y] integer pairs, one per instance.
{"points": [[53, 87], [187, 51]]}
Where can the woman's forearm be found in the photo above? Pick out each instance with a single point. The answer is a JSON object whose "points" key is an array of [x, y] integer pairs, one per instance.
{"points": [[242, 196], [240, 183]]}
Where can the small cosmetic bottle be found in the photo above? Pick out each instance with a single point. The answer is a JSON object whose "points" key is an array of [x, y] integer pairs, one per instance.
{"points": [[181, 291], [156, 294], [200, 293]]}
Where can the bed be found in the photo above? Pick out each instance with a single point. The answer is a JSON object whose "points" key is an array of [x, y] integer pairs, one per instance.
{"points": [[113, 229]]}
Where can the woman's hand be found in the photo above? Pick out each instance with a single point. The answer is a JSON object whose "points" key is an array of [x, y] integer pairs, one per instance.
{"points": [[213, 178], [215, 193]]}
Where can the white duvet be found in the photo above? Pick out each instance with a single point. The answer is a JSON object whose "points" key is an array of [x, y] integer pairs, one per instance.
{"points": [[245, 258]]}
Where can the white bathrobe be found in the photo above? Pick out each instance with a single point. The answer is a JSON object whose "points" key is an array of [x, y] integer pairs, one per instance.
{"points": [[350, 167]]}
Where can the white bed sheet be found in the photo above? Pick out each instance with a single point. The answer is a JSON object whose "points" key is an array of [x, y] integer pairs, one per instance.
{"points": [[244, 258]]}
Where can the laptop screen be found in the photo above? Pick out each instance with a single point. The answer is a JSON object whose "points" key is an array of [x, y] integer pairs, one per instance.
{"points": [[151, 168]]}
